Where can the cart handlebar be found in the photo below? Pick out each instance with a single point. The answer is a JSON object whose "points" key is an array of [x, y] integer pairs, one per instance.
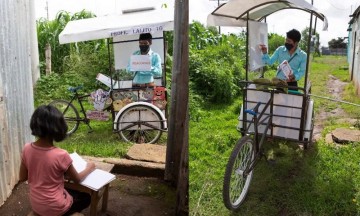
{"points": [[75, 89], [292, 89]]}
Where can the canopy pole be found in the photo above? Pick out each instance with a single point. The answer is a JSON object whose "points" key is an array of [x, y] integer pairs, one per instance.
{"points": [[165, 45], [246, 70], [110, 73], [308, 52], [247, 46]]}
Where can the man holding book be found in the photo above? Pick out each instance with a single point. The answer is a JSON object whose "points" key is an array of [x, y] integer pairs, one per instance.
{"points": [[287, 55], [143, 75]]}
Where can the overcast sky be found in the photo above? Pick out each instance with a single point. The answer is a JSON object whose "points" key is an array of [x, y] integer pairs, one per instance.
{"points": [[337, 12]]}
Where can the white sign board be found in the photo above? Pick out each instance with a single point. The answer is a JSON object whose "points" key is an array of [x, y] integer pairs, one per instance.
{"points": [[140, 63], [257, 35]]}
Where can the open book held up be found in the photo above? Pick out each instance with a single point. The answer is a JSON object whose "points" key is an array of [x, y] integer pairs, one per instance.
{"points": [[96, 179], [284, 70]]}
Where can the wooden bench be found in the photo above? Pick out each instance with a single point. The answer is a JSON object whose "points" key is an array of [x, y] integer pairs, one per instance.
{"points": [[95, 195]]}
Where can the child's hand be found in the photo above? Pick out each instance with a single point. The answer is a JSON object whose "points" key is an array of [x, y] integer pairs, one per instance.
{"points": [[90, 166]]}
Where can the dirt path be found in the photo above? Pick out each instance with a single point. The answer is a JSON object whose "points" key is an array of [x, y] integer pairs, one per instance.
{"points": [[335, 87], [128, 196]]}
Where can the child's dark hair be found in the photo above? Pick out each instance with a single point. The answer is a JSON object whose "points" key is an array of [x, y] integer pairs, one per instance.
{"points": [[294, 35], [48, 122]]}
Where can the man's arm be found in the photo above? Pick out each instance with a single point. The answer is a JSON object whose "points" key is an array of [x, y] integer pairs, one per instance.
{"points": [[270, 60], [156, 65], [302, 68]]}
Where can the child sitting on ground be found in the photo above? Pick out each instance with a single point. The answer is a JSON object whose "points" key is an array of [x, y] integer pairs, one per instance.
{"points": [[44, 165]]}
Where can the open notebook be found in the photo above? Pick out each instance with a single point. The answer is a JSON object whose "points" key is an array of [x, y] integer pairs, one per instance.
{"points": [[96, 179]]}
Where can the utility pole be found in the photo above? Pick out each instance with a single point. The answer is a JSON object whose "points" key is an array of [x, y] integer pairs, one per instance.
{"points": [[176, 167], [47, 10], [218, 6]]}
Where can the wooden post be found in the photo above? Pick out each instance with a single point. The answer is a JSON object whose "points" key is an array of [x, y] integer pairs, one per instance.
{"points": [[48, 59], [176, 167]]}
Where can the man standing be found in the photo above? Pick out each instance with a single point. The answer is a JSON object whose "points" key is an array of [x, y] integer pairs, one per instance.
{"points": [[291, 52], [146, 78]]}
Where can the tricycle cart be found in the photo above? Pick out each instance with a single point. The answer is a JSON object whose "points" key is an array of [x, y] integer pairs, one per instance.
{"points": [[267, 110], [138, 113]]}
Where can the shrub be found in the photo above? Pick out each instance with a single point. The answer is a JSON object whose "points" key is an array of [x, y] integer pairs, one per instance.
{"points": [[216, 70]]}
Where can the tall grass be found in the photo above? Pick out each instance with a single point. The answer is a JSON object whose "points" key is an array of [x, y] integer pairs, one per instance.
{"points": [[323, 180]]}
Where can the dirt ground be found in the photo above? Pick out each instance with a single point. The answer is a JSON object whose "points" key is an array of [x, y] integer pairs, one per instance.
{"points": [[335, 87], [128, 196]]}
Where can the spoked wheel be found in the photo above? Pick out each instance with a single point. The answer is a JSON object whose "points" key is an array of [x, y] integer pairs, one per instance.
{"points": [[237, 178], [70, 113], [140, 124]]}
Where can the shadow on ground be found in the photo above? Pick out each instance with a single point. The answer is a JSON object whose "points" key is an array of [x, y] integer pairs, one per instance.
{"points": [[128, 196]]}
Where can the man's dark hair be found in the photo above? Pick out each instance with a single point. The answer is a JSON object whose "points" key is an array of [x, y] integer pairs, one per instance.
{"points": [[145, 36], [294, 35], [48, 122]]}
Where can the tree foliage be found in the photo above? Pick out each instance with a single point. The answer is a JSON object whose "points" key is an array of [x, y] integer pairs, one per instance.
{"points": [[275, 41], [314, 42], [337, 43], [216, 63], [48, 32]]}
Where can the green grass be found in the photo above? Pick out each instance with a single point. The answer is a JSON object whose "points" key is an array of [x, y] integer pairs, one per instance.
{"points": [[324, 180], [101, 142]]}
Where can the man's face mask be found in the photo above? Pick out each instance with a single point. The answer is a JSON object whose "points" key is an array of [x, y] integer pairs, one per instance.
{"points": [[289, 46], [144, 48]]}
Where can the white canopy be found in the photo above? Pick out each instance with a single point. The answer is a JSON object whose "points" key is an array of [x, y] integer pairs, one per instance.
{"points": [[117, 25], [235, 12]]}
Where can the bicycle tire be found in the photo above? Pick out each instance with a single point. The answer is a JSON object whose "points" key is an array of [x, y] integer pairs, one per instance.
{"points": [[143, 124], [236, 185], [71, 115], [309, 142]]}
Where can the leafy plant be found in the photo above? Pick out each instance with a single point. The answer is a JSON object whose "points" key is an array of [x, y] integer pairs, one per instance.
{"points": [[216, 67], [48, 32]]}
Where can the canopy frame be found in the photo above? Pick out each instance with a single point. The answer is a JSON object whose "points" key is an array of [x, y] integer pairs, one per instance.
{"points": [[245, 16]]}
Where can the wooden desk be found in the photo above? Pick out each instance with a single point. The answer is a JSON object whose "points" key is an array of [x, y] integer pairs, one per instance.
{"points": [[95, 195]]}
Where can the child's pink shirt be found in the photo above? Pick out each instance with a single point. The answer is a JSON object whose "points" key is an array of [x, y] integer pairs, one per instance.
{"points": [[46, 168]]}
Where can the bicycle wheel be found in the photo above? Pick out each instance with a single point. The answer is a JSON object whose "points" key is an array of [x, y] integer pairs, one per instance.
{"points": [[140, 124], [70, 113], [236, 182]]}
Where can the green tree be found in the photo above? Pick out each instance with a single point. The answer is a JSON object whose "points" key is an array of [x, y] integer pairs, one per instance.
{"points": [[337, 43], [314, 42], [275, 41], [48, 32], [216, 63]]}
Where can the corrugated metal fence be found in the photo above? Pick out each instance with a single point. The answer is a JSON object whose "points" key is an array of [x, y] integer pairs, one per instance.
{"points": [[354, 49], [16, 94]]}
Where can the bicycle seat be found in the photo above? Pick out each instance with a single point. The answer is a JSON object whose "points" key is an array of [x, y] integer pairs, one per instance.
{"points": [[74, 89], [253, 111]]}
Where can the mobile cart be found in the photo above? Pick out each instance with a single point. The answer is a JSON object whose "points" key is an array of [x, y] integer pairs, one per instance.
{"points": [[138, 114], [266, 111]]}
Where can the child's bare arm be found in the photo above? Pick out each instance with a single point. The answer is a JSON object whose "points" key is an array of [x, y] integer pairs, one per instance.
{"points": [[23, 174], [78, 177]]}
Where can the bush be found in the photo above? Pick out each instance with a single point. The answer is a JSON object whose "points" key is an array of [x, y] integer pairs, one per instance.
{"points": [[54, 86], [216, 70]]}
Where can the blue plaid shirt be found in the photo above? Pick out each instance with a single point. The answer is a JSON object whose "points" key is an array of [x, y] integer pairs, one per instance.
{"points": [[142, 77], [297, 64]]}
